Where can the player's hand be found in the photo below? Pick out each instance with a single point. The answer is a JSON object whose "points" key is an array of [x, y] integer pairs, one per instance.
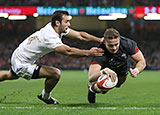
{"points": [[134, 72], [101, 40], [111, 74], [96, 51]]}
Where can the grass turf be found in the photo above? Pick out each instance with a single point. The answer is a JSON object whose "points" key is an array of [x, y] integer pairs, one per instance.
{"points": [[139, 95]]}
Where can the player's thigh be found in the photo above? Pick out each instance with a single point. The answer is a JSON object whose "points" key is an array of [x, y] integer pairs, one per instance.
{"points": [[121, 80], [49, 72], [11, 75]]}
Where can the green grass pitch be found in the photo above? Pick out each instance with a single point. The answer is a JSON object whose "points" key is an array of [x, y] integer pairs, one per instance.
{"points": [[139, 96]]}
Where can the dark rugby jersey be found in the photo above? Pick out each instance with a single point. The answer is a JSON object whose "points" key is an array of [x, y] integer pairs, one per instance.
{"points": [[120, 61]]}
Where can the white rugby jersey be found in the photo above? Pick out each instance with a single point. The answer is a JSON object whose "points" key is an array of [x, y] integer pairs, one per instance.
{"points": [[38, 44]]}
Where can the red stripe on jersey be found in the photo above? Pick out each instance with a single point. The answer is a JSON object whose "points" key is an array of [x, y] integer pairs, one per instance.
{"points": [[94, 63], [136, 50]]}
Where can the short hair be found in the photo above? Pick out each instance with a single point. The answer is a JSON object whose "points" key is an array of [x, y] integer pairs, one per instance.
{"points": [[57, 15], [111, 33]]}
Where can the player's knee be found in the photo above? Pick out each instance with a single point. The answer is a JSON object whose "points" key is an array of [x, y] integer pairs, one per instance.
{"points": [[104, 92], [118, 86], [10, 76], [57, 73]]}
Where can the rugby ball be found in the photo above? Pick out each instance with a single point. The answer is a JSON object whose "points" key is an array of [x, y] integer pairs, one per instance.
{"points": [[104, 82]]}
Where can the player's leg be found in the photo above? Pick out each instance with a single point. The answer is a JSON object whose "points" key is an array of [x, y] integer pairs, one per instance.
{"points": [[121, 80], [7, 75], [92, 93], [52, 76], [93, 89]]}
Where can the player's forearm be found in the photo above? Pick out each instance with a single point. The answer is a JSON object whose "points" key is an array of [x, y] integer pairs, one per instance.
{"points": [[74, 52], [92, 77], [89, 37], [141, 65]]}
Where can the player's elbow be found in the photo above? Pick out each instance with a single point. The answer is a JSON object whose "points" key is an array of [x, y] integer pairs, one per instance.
{"points": [[83, 33], [91, 78], [144, 63], [83, 36], [70, 52]]}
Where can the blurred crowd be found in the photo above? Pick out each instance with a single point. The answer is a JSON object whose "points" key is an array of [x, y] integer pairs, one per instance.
{"points": [[146, 35], [79, 2], [60, 2], [145, 3]]}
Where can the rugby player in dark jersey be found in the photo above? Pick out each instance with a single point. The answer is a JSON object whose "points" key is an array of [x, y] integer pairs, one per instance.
{"points": [[115, 61]]}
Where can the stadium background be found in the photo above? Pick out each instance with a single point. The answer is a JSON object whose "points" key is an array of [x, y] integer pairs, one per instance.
{"points": [[145, 33], [137, 96]]}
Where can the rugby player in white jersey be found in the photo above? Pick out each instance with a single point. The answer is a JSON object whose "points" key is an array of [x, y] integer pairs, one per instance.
{"points": [[46, 40]]}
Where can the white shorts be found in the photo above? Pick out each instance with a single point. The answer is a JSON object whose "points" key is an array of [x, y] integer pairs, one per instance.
{"points": [[22, 69]]}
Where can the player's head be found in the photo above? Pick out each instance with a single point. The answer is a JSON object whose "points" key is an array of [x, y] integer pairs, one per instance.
{"points": [[112, 40], [61, 20]]}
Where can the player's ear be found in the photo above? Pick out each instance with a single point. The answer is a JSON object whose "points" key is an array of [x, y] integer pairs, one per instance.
{"points": [[57, 23]]}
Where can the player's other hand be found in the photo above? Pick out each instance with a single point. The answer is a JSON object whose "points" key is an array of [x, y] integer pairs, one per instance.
{"points": [[112, 74], [101, 40], [134, 72], [96, 51]]}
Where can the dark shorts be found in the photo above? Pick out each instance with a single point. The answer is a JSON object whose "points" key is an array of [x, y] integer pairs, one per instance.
{"points": [[36, 73], [121, 80]]}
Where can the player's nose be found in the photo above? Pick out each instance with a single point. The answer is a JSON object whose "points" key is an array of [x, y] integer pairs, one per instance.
{"points": [[114, 47], [69, 24]]}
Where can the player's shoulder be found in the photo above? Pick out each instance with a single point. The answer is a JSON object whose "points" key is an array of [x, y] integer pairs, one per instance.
{"points": [[48, 32], [127, 45], [48, 28], [126, 42]]}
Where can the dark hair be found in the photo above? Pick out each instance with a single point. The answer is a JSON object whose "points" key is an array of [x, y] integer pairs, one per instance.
{"points": [[57, 15], [111, 33]]}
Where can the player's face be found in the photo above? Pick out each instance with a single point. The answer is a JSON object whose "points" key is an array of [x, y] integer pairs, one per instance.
{"points": [[112, 45], [64, 25]]}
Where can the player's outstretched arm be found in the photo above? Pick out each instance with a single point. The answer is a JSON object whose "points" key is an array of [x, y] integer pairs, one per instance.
{"points": [[140, 64], [94, 72], [75, 52], [83, 36]]}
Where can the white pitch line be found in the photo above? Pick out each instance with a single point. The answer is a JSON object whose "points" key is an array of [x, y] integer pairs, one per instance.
{"points": [[16, 107], [142, 108], [111, 108], [72, 108]]}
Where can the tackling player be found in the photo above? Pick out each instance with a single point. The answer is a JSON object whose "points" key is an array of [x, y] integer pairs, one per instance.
{"points": [[46, 40], [114, 62]]}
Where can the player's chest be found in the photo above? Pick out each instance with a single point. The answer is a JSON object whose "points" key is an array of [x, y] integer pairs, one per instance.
{"points": [[117, 59]]}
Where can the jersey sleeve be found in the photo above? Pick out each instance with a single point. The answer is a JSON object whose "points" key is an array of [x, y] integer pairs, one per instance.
{"points": [[53, 42], [132, 47], [100, 60]]}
